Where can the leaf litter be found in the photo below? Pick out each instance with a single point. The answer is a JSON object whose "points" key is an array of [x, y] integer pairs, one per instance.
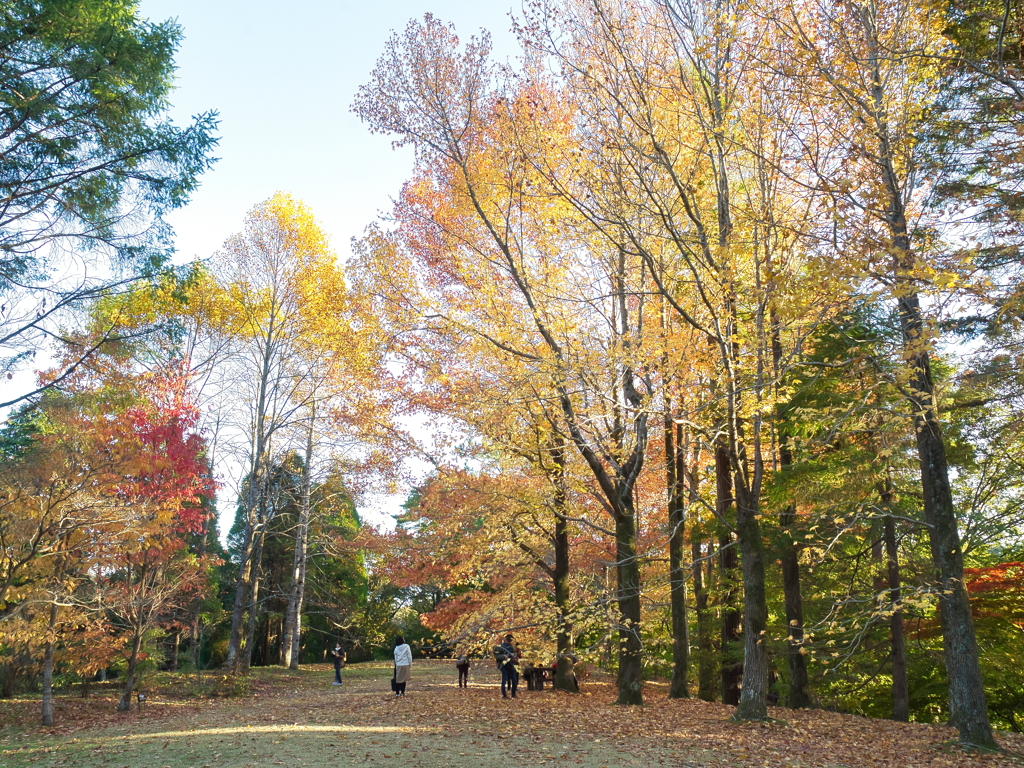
{"points": [[299, 719]]}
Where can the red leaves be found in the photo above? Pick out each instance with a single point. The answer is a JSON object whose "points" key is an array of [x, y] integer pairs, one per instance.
{"points": [[169, 468], [145, 426], [997, 592], [1001, 577]]}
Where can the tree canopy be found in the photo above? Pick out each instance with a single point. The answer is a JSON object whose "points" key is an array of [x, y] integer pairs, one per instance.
{"points": [[90, 161], [692, 341]]}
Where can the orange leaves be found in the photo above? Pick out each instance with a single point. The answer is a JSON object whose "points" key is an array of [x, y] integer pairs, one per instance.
{"points": [[164, 470], [117, 460], [997, 592], [155, 449], [97, 509], [1001, 577]]}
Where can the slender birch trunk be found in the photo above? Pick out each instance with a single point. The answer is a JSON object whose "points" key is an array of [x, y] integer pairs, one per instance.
{"points": [[293, 612]]}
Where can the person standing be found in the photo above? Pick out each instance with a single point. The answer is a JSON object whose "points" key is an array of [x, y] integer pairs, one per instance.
{"points": [[506, 656], [462, 664], [403, 662], [339, 662]]}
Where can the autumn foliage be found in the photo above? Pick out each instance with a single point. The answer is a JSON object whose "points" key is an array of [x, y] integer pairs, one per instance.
{"points": [[693, 336]]}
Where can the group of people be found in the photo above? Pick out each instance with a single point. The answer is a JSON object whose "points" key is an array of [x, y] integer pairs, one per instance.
{"points": [[506, 655], [403, 662]]}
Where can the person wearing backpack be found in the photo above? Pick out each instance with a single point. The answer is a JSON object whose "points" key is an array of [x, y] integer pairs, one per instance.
{"points": [[506, 657]]}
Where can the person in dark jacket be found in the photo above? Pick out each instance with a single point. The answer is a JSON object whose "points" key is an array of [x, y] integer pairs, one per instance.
{"points": [[462, 664], [339, 662], [506, 656]]}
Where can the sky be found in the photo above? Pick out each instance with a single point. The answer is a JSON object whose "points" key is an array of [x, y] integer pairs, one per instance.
{"points": [[282, 76]]}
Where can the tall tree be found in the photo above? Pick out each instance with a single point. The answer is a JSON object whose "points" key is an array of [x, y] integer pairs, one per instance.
{"points": [[292, 630], [441, 100], [336, 362], [685, 144], [260, 270], [110, 479], [872, 67], [90, 163]]}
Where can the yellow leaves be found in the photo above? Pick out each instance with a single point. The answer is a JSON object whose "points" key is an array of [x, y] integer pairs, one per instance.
{"points": [[289, 225], [280, 282]]}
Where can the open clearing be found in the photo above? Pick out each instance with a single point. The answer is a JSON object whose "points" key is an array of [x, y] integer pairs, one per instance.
{"points": [[300, 719]]}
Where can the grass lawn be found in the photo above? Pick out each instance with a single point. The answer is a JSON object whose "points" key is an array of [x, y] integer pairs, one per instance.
{"points": [[300, 719]]}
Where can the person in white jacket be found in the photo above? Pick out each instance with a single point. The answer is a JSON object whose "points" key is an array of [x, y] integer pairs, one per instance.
{"points": [[403, 661]]}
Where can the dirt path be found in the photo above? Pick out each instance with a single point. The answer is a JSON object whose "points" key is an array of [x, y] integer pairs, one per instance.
{"points": [[300, 719]]}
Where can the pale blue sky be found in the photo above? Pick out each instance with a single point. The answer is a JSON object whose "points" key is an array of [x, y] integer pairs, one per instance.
{"points": [[282, 75]]}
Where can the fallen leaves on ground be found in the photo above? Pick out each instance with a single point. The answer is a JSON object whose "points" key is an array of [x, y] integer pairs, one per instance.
{"points": [[537, 727]]}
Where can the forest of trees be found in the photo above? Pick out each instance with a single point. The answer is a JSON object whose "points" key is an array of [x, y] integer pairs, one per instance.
{"points": [[705, 317]]}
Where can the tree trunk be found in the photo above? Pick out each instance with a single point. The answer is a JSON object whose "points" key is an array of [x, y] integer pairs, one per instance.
{"points": [[195, 648], [245, 569], [679, 687], [754, 694], [796, 659], [728, 562], [293, 612], [967, 707], [295, 640], [565, 677], [245, 657], [630, 678], [266, 643], [48, 667], [125, 703], [175, 648], [705, 645], [898, 652], [255, 514], [618, 492]]}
